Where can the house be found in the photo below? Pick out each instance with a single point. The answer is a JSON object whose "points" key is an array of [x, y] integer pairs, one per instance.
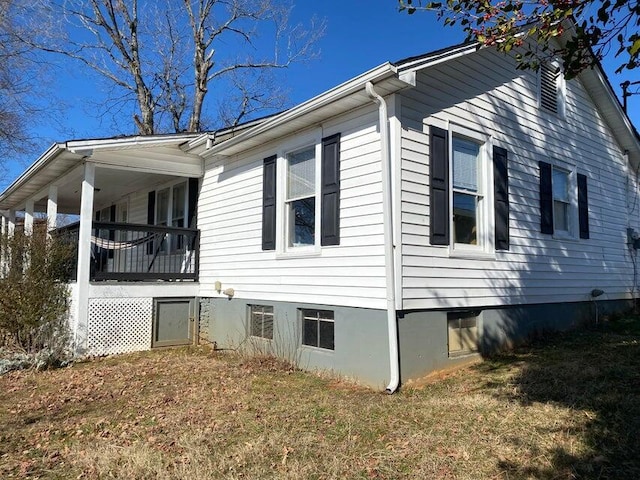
{"points": [[405, 221]]}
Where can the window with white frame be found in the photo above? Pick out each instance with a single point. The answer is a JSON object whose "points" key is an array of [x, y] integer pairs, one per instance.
{"points": [[318, 328], [564, 209], [468, 187], [171, 208], [261, 321], [560, 180], [301, 198]]}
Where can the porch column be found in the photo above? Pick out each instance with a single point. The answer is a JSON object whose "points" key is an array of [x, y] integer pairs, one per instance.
{"points": [[3, 248], [8, 229], [28, 217], [11, 223], [52, 208], [84, 259]]}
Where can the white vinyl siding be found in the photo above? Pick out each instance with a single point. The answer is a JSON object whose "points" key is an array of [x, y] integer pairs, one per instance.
{"points": [[230, 213], [483, 91]]}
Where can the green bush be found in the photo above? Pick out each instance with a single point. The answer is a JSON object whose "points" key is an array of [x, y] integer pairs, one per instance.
{"points": [[34, 297]]}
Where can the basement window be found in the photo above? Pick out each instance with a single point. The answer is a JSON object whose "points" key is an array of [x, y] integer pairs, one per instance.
{"points": [[261, 321], [462, 332], [318, 328]]}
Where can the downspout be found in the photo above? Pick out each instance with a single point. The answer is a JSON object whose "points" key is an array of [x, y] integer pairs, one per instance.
{"points": [[387, 213]]}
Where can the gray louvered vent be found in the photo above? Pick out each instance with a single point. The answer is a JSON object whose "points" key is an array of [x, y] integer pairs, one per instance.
{"points": [[549, 75]]}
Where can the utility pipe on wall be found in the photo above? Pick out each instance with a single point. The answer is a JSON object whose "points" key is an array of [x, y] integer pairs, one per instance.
{"points": [[387, 213]]}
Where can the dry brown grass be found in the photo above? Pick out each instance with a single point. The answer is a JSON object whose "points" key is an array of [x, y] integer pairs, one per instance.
{"points": [[569, 409]]}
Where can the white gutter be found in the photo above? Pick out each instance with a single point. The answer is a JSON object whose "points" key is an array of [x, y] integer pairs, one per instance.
{"points": [[129, 142], [387, 213]]}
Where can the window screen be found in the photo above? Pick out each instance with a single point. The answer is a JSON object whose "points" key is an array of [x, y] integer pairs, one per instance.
{"points": [[261, 321]]}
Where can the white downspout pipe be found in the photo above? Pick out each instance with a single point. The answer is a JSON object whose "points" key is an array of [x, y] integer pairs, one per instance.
{"points": [[387, 213]]}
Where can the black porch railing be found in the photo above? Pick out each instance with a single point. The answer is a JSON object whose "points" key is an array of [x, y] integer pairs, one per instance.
{"points": [[136, 252]]}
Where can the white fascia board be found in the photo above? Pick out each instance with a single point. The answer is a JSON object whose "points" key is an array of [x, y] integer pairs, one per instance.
{"points": [[435, 59], [354, 85], [44, 159], [611, 97]]}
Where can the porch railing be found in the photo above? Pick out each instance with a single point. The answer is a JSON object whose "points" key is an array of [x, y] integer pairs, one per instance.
{"points": [[137, 252]]}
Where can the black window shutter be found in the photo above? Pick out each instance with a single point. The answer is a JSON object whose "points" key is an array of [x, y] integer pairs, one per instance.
{"points": [[192, 204], [269, 203], [546, 198], [501, 194], [439, 186], [151, 208], [112, 233], [583, 206], [151, 217], [330, 207]]}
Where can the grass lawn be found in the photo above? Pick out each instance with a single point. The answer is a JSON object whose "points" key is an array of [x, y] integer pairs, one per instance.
{"points": [[569, 408]]}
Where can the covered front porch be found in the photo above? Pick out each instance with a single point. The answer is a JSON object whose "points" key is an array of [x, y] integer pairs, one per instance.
{"points": [[128, 208], [135, 252]]}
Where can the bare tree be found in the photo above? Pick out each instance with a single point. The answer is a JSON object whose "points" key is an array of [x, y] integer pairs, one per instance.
{"points": [[166, 56], [14, 85]]}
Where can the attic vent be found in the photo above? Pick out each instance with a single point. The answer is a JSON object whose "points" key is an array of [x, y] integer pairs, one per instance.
{"points": [[549, 76]]}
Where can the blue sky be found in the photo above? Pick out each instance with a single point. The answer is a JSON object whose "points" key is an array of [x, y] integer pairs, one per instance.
{"points": [[360, 34]]}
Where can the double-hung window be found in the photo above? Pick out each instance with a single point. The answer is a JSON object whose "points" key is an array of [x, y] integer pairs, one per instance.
{"points": [[467, 192], [178, 213], [171, 207], [301, 198], [564, 203], [561, 201]]}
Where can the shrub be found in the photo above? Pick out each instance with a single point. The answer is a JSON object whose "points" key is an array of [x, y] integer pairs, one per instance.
{"points": [[34, 299]]}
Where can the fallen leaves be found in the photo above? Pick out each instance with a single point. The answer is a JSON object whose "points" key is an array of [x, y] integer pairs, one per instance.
{"points": [[179, 414]]}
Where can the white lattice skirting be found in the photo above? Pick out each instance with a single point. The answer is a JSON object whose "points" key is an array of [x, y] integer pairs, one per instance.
{"points": [[119, 325]]}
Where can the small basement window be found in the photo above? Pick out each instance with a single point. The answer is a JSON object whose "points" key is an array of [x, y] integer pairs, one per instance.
{"points": [[462, 330], [318, 328], [261, 321]]}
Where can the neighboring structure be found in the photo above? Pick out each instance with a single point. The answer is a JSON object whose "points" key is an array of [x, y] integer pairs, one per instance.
{"points": [[397, 224]]}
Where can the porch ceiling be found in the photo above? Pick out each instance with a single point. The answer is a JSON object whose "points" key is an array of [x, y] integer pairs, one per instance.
{"points": [[123, 166], [111, 185]]}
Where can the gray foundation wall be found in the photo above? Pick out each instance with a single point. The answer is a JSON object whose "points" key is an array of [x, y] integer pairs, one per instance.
{"points": [[361, 342], [360, 335], [424, 340]]}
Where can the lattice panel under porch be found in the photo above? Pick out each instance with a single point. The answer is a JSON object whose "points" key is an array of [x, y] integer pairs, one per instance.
{"points": [[119, 325]]}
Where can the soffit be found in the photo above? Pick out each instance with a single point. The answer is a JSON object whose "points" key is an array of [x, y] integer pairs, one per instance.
{"points": [[60, 165]]}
